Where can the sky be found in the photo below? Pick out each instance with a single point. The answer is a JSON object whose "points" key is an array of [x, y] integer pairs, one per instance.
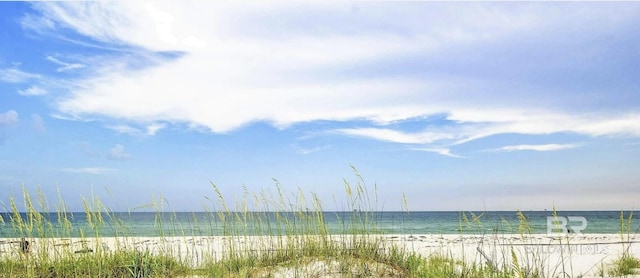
{"points": [[457, 106]]}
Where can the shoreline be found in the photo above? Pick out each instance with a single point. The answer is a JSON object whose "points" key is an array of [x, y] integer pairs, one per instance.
{"points": [[583, 254]]}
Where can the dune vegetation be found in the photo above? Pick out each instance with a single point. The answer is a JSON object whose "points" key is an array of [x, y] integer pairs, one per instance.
{"points": [[292, 240]]}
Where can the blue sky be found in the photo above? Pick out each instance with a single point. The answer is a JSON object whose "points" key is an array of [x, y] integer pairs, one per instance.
{"points": [[460, 106]]}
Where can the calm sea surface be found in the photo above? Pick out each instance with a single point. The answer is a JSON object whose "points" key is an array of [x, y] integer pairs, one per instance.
{"points": [[211, 223]]}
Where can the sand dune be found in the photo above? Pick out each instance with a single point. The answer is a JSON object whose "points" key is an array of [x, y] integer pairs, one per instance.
{"points": [[576, 255]]}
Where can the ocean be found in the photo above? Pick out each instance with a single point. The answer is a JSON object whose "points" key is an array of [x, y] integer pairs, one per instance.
{"points": [[149, 224]]}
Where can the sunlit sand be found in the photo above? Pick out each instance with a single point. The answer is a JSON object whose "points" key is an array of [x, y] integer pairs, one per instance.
{"points": [[589, 255]]}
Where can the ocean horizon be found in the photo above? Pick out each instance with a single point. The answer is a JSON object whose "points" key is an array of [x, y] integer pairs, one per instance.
{"points": [[151, 224]]}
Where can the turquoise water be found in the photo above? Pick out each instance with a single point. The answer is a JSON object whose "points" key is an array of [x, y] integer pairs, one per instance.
{"points": [[209, 224]]}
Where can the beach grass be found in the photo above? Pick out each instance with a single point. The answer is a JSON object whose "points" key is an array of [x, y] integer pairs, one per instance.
{"points": [[627, 264], [264, 234]]}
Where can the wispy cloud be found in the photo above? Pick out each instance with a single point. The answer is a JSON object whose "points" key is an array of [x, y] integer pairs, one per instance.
{"points": [[467, 127], [302, 150], [440, 151], [8, 118], [88, 170], [12, 75], [33, 91], [149, 130], [64, 65], [539, 148], [152, 129], [118, 153], [398, 136], [126, 129], [125, 22]]}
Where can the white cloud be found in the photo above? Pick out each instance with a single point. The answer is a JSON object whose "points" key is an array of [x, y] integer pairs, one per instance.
{"points": [[474, 126], [8, 118], [118, 153], [539, 148], [303, 150], [385, 134], [623, 125], [35, 22], [88, 170], [17, 76], [33, 91], [489, 68], [149, 130], [124, 129], [64, 66], [440, 151], [67, 117], [152, 129], [149, 25]]}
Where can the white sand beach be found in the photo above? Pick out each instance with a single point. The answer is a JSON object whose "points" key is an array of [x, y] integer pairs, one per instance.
{"points": [[585, 255]]}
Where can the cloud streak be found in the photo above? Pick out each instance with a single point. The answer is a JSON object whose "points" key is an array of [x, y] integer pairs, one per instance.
{"points": [[64, 65], [440, 151], [33, 91], [12, 75], [539, 148], [305, 151], [88, 170], [149, 130], [460, 130]]}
